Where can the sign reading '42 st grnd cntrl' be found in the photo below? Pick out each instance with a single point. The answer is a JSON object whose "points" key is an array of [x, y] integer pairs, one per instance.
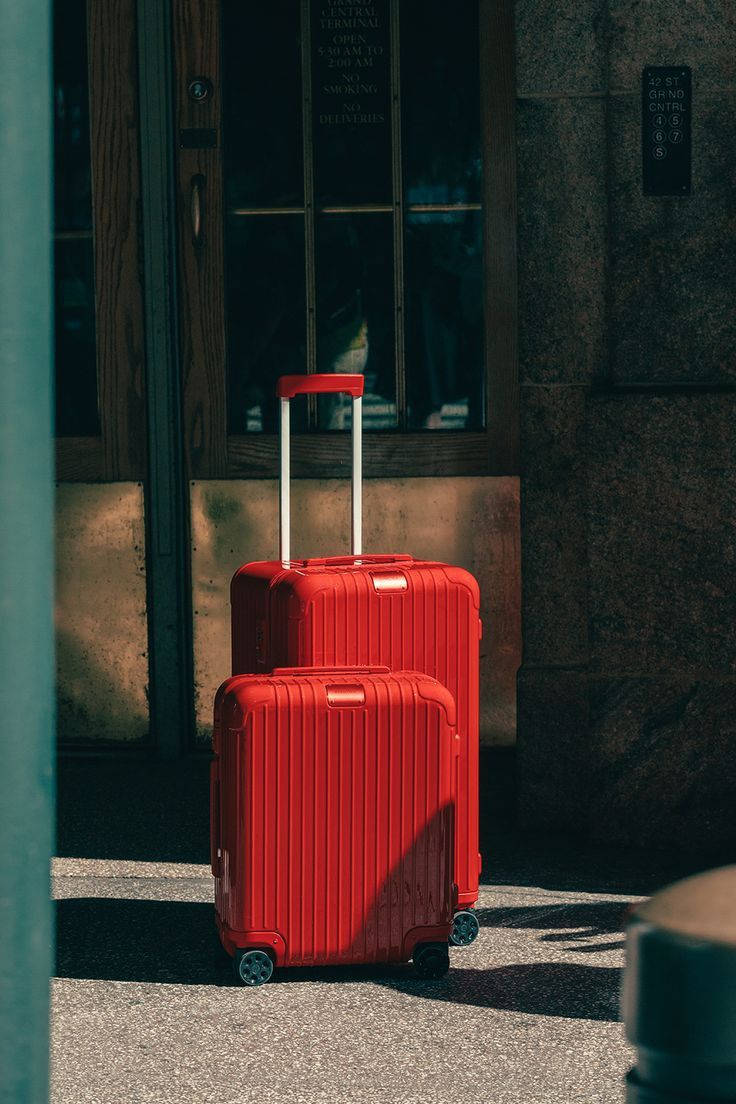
{"points": [[666, 99]]}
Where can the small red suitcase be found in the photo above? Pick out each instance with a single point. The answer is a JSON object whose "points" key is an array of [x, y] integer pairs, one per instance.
{"points": [[332, 819], [364, 609]]}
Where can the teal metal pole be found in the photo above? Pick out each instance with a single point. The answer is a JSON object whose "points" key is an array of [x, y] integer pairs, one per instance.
{"points": [[26, 550]]}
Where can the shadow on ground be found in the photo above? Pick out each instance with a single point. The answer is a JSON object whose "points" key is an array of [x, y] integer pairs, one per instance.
{"points": [[174, 942], [141, 809], [111, 939], [576, 926], [569, 990]]}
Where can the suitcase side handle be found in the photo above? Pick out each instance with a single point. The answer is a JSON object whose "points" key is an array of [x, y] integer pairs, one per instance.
{"points": [[215, 818], [334, 383]]}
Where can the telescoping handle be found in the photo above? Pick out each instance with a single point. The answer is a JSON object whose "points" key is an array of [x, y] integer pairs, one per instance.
{"points": [[332, 384]]}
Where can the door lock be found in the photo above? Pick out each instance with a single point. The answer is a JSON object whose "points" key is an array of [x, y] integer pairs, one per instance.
{"points": [[199, 89]]}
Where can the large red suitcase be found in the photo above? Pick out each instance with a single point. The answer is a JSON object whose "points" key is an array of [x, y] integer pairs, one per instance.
{"points": [[332, 806], [365, 609]]}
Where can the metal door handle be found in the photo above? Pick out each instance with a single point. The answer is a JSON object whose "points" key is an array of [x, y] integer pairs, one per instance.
{"points": [[196, 205]]}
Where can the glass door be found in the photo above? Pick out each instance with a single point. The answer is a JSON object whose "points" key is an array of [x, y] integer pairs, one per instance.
{"points": [[336, 218]]}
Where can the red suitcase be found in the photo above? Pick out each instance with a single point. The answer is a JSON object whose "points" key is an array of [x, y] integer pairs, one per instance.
{"points": [[332, 819], [407, 614]]}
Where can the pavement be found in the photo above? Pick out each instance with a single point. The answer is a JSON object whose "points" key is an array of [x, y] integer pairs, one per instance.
{"points": [[145, 1008]]}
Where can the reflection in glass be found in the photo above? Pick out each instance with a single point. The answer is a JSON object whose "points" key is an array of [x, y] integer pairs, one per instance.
{"points": [[75, 355], [355, 314], [262, 104], [443, 260], [440, 94], [444, 319], [266, 317], [351, 102]]}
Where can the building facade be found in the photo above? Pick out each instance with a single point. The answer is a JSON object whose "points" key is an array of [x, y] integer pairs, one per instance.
{"points": [[244, 192]]}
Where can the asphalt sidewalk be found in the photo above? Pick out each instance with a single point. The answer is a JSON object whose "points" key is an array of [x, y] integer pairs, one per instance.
{"points": [[145, 1009]]}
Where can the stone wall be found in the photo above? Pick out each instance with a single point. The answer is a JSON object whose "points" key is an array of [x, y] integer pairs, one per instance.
{"points": [[627, 693]]}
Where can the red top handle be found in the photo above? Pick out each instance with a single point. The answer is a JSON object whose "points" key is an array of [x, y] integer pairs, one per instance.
{"points": [[368, 670], [332, 383], [365, 558]]}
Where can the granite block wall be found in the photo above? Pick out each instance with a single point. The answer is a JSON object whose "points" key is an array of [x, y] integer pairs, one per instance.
{"points": [[627, 339]]}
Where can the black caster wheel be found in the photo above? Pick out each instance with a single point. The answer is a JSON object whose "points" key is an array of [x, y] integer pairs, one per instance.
{"points": [[252, 967], [431, 960], [465, 928]]}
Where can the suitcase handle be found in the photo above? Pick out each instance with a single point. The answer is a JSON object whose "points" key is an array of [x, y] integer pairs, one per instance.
{"points": [[330, 671], [334, 383], [337, 561]]}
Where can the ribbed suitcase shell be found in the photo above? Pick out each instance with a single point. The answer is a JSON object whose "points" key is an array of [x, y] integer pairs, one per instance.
{"points": [[332, 815], [409, 614]]}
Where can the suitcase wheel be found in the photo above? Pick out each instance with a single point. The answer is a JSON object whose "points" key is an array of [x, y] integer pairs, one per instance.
{"points": [[431, 960], [465, 928], [252, 967]]}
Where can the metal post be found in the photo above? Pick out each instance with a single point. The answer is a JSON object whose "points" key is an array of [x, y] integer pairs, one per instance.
{"points": [[167, 529], [26, 550], [679, 992]]}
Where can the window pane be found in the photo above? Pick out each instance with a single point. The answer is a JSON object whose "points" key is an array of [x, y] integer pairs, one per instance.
{"points": [[440, 95], [348, 148], [262, 104], [266, 317], [74, 289], [444, 320], [76, 358], [355, 314], [441, 171], [351, 92], [72, 192]]}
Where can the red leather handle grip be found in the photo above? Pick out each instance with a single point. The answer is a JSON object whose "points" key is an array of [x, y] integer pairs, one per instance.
{"points": [[332, 383]]}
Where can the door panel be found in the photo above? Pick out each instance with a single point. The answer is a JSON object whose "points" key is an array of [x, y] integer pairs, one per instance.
{"points": [[101, 601], [370, 232], [101, 626]]}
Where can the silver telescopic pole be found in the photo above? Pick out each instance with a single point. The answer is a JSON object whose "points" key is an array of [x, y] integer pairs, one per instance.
{"points": [[284, 495], [357, 495]]}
